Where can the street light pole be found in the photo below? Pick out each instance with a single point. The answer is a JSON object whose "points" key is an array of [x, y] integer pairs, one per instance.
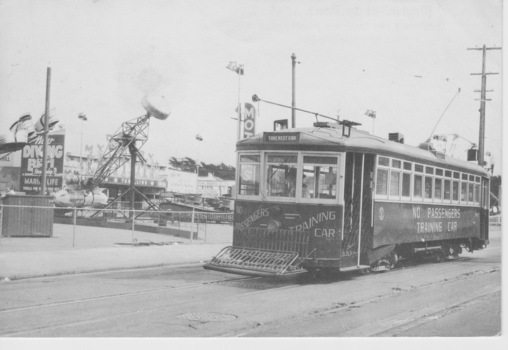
{"points": [[45, 133], [198, 138], [293, 102], [238, 69], [83, 118]]}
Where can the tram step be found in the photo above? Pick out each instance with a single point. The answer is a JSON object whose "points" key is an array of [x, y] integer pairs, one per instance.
{"points": [[255, 262]]}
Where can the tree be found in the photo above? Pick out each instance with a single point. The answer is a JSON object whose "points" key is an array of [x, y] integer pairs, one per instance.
{"points": [[225, 172], [184, 164]]}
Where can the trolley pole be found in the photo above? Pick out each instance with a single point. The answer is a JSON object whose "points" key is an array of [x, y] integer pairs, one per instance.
{"points": [[293, 102], [45, 134], [483, 99]]}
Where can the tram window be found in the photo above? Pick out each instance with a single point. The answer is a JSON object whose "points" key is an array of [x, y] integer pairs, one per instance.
{"points": [[281, 175], [419, 168], [319, 181], [418, 186], [438, 188], [470, 193], [455, 192], [406, 184], [428, 187], [429, 170], [447, 190], [320, 160], [383, 161], [456, 175], [396, 163], [248, 183], [439, 172], [382, 182], [477, 193], [463, 192], [249, 158], [394, 183], [478, 179], [448, 173], [485, 201], [471, 177], [464, 177], [408, 166]]}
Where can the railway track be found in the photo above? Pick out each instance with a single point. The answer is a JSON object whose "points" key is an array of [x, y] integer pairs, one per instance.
{"points": [[224, 304], [388, 327], [170, 293]]}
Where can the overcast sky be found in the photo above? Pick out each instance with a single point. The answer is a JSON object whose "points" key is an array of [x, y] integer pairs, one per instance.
{"points": [[405, 59]]}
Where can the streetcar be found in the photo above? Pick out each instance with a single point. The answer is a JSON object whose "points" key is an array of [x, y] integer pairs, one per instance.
{"points": [[336, 198]]}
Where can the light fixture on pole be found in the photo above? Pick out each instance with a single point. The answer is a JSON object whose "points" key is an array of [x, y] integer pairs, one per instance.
{"points": [[371, 114], [199, 138], [83, 118], [238, 69]]}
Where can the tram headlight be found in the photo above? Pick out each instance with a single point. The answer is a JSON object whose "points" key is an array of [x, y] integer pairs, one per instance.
{"points": [[274, 225]]}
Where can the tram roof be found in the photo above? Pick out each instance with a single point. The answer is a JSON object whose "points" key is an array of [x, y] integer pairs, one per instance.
{"points": [[331, 139]]}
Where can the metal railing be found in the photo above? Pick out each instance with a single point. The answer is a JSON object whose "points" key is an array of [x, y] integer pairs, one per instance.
{"points": [[495, 220], [93, 227]]}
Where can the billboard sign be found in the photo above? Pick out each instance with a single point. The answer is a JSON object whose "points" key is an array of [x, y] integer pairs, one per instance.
{"points": [[249, 125], [31, 164]]}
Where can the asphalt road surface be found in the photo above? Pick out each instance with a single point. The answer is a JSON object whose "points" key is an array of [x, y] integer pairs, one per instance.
{"points": [[459, 298]]}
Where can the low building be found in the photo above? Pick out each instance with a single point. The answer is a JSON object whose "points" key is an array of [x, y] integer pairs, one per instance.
{"points": [[151, 179], [214, 187]]}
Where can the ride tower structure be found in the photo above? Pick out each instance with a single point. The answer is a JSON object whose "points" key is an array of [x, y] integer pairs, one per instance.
{"points": [[125, 145]]}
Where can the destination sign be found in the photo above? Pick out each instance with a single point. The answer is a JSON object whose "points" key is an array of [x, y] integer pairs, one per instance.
{"points": [[282, 137]]}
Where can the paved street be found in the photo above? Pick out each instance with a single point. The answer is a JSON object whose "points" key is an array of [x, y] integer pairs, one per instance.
{"points": [[454, 298]]}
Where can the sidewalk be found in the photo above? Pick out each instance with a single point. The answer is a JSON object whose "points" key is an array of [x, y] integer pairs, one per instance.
{"points": [[99, 249]]}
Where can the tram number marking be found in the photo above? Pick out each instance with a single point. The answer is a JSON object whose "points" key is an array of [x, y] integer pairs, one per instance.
{"points": [[381, 213]]}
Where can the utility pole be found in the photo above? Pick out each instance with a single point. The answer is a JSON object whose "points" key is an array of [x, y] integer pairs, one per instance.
{"points": [[293, 103], [483, 99], [238, 69], [45, 133]]}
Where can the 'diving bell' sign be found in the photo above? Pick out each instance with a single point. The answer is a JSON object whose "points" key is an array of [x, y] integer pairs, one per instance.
{"points": [[32, 162]]}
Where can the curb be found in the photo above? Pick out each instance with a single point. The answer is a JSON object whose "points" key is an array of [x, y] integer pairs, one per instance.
{"points": [[99, 270]]}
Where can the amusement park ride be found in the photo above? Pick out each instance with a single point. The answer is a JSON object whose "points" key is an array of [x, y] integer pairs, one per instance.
{"points": [[123, 146]]}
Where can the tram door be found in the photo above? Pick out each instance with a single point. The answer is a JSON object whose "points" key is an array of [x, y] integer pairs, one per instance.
{"points": [[358, 228]]}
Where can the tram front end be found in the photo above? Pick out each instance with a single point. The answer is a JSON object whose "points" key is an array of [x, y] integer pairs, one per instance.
{"points": [[288, 212], [275, 239]]}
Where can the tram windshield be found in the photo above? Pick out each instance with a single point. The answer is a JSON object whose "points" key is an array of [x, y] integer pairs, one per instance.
{"points": [[289, 176], [248, 181], [281, 175]]}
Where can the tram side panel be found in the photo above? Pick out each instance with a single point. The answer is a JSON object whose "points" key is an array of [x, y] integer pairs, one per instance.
{"points": [[281, 226], [396, 223]]}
